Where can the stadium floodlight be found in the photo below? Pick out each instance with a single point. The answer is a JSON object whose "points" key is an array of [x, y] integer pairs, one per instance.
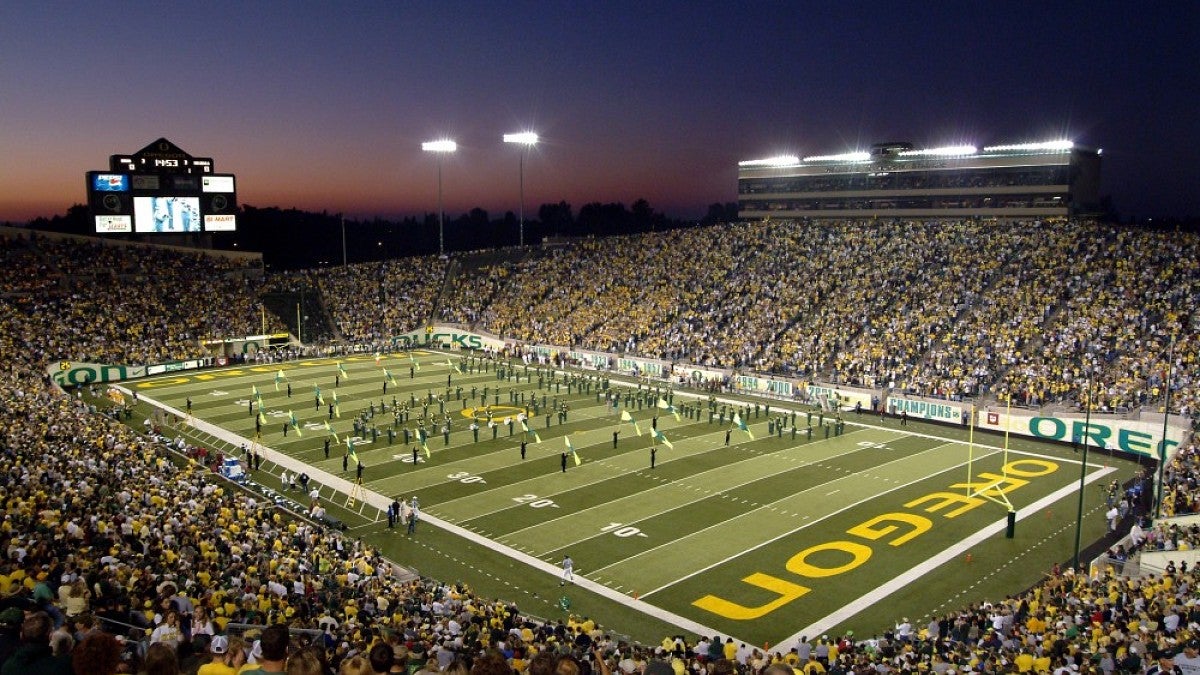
{"points": [[526, 139], [777, 161], [845, 157], [947, 151], [441, 148], [1055, 146]]}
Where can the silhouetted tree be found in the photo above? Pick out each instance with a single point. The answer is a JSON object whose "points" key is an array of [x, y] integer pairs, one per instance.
{"points": [[556, 218]]}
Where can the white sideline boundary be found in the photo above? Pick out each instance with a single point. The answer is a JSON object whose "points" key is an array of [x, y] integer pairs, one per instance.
{"points": [[381, 502]]}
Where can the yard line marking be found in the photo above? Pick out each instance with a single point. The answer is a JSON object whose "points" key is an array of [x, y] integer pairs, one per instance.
{"points": [[679, 505], [766, 506], [504, 505]]}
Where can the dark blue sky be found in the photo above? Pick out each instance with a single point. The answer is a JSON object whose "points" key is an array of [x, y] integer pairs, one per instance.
{"points": [[324, 105]]}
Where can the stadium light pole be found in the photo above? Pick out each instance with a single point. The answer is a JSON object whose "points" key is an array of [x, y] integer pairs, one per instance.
{"points": [[526, 140], [1162, 445], [440, 148], [1087, 430]]}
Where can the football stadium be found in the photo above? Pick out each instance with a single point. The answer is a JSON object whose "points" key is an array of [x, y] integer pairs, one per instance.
{"points": [[744, 444]]}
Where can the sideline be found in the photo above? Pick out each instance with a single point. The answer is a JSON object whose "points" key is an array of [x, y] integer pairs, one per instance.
{"points": [[381, 502]]}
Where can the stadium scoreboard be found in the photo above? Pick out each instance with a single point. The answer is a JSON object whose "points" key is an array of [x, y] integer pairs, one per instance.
{"points": [[161, 189]]}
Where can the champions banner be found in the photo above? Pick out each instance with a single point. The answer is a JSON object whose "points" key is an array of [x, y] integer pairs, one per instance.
{"points": [[641, 366], [937, 411], [762, 385], [596, 360], [698, 374], [251, 344], [1131, 436]]}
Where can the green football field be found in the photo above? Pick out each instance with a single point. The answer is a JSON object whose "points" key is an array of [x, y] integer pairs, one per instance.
{"points": [[765, 538]]}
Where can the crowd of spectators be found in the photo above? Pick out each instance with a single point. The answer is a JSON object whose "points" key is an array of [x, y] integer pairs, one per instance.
{"points": [[374, 300], [1028, 312], [1070, 314], [104, 535], [123, 305]]}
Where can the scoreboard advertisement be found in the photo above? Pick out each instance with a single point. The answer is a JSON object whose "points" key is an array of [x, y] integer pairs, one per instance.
{"points": [[161, 189]]}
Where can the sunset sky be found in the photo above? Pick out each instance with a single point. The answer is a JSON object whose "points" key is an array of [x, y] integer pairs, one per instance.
{"points": [[324, 105]]}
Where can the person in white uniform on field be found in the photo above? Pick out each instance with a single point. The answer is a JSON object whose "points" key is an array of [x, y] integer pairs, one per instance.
{"points": [[568, 570]]}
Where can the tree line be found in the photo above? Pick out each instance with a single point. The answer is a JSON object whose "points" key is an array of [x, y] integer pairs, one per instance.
{"points": [[295, 239]]}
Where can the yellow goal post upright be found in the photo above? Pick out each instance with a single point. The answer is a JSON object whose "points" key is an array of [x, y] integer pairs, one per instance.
{"points": [[990, 488]]}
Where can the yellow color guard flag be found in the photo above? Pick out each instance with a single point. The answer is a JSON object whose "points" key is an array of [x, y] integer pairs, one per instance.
{"points": [[571, 449], [626, 417], [332, 433], [526, 429], [295, 424], [737, 422], [662, 403], [658, 436], [342, 371]]}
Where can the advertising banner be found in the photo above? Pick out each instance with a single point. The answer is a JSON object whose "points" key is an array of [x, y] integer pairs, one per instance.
{"points": [[1132, 436], [938, 411], [762, 385], [846, 398], [69, 374], [445, 337]]}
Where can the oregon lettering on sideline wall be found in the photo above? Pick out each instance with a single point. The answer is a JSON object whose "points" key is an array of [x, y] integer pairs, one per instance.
{"points": [[1132, 436]]}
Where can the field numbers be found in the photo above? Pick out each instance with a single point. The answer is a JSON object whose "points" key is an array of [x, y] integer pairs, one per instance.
{"points": [[464, 477], [535, 501], [623, 530]]}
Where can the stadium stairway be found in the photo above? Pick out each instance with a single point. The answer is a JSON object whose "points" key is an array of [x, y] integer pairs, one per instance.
{"points": [[327, 317], [475, 265], [318, 325], [452, 269]]}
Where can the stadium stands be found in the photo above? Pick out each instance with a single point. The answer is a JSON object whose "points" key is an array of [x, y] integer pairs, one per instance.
{"points": [[102, 532]]}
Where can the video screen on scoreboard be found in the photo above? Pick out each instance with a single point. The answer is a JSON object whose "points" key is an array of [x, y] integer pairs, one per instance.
{"points": [[166, 214]]}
